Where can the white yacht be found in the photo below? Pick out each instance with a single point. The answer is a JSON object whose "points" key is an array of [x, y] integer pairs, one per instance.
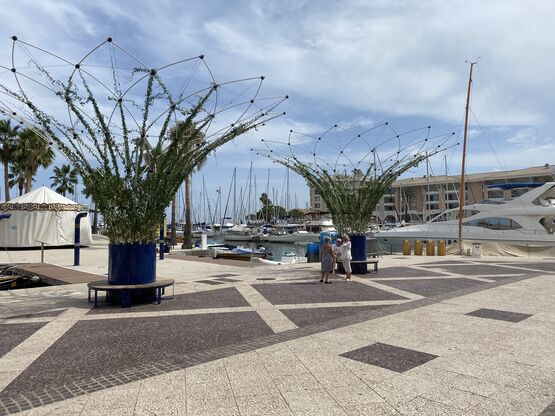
{"points": [[528, 220]]}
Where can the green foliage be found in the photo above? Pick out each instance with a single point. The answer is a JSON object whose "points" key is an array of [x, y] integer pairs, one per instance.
{"points": [[296, 213], [8, 143], [64, 180], [34, 153], [269, 211]]}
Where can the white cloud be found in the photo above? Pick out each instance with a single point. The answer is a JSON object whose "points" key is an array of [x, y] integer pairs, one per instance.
{"points": [[350, 62]]}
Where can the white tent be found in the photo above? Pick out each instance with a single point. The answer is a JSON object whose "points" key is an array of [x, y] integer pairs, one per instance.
{"points": [[44, 216]]}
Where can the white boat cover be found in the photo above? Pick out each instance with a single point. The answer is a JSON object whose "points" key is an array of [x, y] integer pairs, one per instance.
{"points": [[492, 248], [44, 216]]}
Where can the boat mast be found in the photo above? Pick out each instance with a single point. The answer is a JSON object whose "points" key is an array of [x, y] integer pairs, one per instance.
{"points": [[234, 195], [461, 189]]}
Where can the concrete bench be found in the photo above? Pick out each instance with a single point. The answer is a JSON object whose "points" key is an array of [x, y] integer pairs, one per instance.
{"points": [[125, 292], [367, 261]]}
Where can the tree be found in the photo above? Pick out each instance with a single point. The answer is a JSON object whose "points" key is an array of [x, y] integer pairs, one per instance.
{"points": [[35, 153], [296, 213], [193, 138], [64, 180], [105, 131], [269, 211], [7, 148], [17, 175]]}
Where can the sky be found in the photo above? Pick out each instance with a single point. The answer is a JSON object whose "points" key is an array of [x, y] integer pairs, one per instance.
{"points": [[352, 63]]}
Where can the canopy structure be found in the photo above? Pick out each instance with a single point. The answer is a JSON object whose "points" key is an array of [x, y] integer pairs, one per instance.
{"points": [[42, 216]]}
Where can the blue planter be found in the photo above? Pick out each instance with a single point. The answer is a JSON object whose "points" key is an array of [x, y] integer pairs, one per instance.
{"points": [[131, 264], [358, 252]]}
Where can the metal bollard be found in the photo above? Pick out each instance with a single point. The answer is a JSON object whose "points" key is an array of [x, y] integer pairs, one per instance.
{"points": [[417, 248], [430, 248], [406, 247]]}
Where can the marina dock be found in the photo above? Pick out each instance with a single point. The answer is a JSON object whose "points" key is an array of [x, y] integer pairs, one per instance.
{"points": [[57, 275]]}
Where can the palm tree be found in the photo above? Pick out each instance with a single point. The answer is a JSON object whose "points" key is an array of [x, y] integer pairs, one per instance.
{"points": [[36, 153], [7, 147], [64, 180], [17, 175], [196, 138]]}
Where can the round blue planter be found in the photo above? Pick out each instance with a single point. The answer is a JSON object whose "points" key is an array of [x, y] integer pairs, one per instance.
{"points": [[131, 264], [358, 252]]}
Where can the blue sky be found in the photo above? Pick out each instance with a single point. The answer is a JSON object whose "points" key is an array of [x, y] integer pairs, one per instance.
{"points": [[354, 63]]}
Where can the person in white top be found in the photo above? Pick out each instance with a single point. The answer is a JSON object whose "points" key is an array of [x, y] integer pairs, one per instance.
{"points": [[337, 252], [346, 256]]}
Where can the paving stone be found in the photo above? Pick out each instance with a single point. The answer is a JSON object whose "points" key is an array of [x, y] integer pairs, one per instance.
{"points": [[51, 313], [478, 270], [315, 292], [223, 275], [218, 298], [101, 347], [209, 282], [309, 316], [406, 272], [547, 267], [431, 287], [12, 335], [499, 315], [389, 357], [226, 280]]}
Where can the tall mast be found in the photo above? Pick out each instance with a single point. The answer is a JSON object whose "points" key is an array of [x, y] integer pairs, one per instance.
{"points": [[234, 195], [461, 189], [445, 194], [428, 209]]}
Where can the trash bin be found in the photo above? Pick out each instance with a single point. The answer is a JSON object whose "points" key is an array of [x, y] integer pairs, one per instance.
{"points": [[430, 248], [406, 247], [476, 249], [417, 248], [313, 252]]}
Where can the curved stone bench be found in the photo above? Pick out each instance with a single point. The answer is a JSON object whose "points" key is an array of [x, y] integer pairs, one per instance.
{"points": [[125, 292]]}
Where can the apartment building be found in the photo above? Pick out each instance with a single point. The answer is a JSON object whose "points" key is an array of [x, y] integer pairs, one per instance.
{"points": [[421, 198]]}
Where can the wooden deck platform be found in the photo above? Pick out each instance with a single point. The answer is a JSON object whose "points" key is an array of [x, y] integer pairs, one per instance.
{"points": [[57, 275]]}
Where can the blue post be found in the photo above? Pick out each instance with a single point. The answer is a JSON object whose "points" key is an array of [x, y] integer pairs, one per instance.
{"points": [[162, 242], [77, 241]]}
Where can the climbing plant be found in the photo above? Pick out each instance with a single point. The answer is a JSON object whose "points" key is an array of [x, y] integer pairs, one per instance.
{"points": [[351, 170], [112, 117]]}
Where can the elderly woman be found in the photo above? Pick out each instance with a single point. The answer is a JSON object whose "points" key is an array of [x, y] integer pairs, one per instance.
{"points": [[327, 260], [346, 257]]}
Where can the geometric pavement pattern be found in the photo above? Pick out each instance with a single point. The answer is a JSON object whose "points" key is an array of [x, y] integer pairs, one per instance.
{"points": [[103, 350], [390, 357]]}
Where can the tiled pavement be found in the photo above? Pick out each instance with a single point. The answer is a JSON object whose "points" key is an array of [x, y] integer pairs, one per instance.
{"points": [[405, 341]]}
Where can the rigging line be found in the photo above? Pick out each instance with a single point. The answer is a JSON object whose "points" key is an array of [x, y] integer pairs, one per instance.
{"points": [[501, 164], [508, 124]]}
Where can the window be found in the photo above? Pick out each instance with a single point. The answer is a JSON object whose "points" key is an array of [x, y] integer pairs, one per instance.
{"points": [[495, 223], [316, 205], [316, 199], [495, 193], [454, 215], [549, 224]]}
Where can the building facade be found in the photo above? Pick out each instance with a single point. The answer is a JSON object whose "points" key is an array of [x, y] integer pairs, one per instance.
{"points": [[420, 199]]}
